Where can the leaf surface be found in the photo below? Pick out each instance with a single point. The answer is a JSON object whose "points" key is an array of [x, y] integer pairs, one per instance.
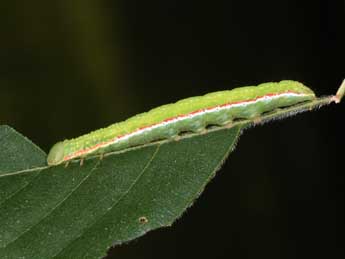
{"points": [[81, 211]]}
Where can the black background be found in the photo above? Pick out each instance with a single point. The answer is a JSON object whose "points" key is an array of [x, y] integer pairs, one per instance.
{"points": [[69, 67]]}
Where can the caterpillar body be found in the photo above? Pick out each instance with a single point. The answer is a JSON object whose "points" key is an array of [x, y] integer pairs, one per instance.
{"points": [[191, 114]]}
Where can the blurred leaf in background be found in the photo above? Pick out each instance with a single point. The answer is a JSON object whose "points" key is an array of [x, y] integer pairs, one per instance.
{"points": [[61, 59]]}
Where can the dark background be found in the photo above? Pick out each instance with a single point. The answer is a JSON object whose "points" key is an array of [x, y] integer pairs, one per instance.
{"points": [[69, 67]]}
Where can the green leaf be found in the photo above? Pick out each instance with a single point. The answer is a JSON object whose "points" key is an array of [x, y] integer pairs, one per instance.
{"points": [[17, 152], [80, 211]]}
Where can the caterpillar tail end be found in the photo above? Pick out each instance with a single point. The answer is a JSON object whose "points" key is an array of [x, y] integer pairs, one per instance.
{"points": [[340, 93]]}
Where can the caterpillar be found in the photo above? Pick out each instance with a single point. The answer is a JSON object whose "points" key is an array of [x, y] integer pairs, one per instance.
{"points": [[190, 114]]}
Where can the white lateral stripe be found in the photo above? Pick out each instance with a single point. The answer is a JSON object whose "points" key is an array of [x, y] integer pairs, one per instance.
{"points": [[202, 112], [184, 117]]}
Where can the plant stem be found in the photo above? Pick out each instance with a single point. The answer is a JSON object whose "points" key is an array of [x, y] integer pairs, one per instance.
{"points": [[340, 92]]}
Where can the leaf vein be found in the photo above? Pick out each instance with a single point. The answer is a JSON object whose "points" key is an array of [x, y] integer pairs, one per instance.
{"points": [[118, 201], [57, 205], [20, 189]]}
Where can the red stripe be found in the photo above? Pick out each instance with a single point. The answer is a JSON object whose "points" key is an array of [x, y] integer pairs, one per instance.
{"points": [[85, 151]]}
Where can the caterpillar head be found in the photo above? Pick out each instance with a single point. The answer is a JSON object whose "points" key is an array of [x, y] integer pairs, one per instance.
{"points": [[56, 154]]}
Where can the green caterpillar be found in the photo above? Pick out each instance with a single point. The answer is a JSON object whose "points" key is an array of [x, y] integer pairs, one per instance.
{"points": [[191, 114]]}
